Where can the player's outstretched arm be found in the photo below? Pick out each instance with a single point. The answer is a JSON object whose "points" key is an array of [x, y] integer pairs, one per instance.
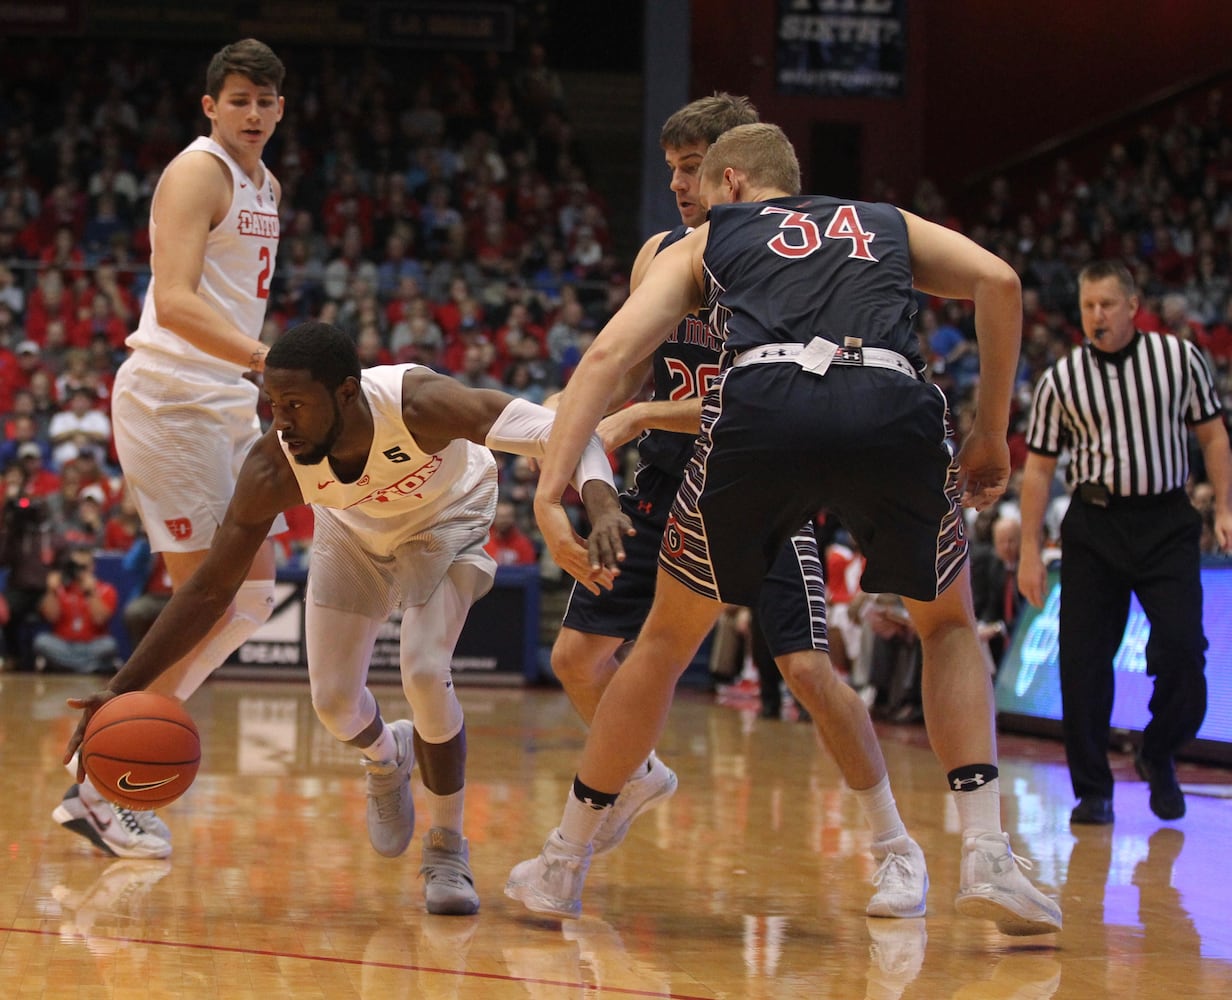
{"points": [[265, 488]]}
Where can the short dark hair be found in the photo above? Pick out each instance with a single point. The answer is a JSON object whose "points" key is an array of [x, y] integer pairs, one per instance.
{"points": [[707, 118], [247, 57], [323, 350], [1098, 270]]}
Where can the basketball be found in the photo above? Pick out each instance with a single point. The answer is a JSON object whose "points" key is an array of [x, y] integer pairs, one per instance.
{"points": [[141, 750]]}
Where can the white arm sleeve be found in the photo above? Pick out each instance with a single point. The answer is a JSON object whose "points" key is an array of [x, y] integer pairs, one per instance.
{"points": [[523, 428]]}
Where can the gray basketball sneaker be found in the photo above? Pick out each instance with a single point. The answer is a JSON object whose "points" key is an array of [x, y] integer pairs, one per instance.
{"points": [[391, 810], [449, 886]]}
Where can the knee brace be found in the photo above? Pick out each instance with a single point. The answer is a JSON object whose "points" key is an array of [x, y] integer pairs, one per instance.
{"points": [[252, 607]]}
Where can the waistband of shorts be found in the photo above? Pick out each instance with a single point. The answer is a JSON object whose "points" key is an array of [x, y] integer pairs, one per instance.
{"points": [[152, 359], [859, 357]]}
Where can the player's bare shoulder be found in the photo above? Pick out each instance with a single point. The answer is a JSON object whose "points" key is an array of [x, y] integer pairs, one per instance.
{"points": [[195, 183]]}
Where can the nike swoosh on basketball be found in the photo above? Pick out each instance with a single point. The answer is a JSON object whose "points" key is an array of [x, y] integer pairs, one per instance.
{"points": [[321, 486], [126, 784]]}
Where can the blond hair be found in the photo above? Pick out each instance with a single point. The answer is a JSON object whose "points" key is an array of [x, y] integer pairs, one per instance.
{"points": [[762, 151]]}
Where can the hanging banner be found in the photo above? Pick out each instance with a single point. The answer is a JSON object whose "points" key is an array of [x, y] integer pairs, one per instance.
{"points": [[841, 48]]}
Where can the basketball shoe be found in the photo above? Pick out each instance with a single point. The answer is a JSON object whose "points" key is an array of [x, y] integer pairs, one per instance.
{"points": [[111, 828], [147, 819], [640, 793], [552, 882], [391, 810], [901, 879], [993, 887], [449, 886]]}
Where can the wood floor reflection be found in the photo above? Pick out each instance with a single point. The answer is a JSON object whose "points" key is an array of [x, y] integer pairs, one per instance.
{"points": [[750, 883]]}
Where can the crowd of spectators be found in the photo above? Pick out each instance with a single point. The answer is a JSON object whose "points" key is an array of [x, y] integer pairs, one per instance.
{"points": [[443, 212]]}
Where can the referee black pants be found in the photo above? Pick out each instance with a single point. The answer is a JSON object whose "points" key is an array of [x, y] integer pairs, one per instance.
{"points": [[1148, 547]]}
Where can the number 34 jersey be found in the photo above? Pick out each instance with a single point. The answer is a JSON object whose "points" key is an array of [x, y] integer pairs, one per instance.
{"points": [[839, 269], [402, 490]]}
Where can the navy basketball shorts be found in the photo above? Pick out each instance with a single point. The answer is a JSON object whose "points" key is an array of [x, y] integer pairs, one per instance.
{"points": [[778, 444], [621, 611], [791, 606]]}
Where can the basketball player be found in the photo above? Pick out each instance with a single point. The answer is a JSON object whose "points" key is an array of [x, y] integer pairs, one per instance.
{"points": [[403, 497], [823, 406], [184, 403], [791, 607]]}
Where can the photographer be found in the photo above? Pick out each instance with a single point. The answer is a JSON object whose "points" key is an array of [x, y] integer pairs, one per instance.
{"points": [[79, 607], [27, 549]]}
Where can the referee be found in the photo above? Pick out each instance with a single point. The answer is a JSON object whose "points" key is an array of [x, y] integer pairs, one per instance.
{"points": [[1123, 404]]}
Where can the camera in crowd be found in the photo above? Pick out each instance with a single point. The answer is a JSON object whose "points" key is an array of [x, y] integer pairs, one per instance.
{"points": [[72, 567]]}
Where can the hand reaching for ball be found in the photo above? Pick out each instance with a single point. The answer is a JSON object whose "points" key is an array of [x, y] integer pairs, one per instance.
{"points": [[89, 705]]}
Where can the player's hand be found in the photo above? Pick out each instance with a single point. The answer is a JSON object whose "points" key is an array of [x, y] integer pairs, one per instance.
{"points": [[567, 548], [608, 525], [619, 428], [87, 706], [984, 459]]}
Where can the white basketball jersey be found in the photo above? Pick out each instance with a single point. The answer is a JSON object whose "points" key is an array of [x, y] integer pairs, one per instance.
{"points": [[239, 264], [402, 489]]}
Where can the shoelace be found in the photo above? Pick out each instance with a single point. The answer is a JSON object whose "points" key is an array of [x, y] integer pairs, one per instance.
{"points": [[128, 819], [388, 804], [895, 870]]}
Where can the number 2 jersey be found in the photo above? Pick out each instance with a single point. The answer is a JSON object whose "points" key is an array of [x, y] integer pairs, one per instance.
{"points": [[839, 269], [238, 265]]}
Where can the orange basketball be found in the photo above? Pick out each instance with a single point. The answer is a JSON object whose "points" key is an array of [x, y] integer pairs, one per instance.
{"points": [[141, 750]]}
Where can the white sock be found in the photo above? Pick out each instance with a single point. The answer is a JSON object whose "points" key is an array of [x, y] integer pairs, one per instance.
{"points": [[880, 811], [979, 811], [384, 749], [446, 810], [580, 821]]}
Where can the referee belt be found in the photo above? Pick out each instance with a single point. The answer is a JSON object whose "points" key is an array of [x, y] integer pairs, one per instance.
{"points": [[1098, 495], [819, 354]]}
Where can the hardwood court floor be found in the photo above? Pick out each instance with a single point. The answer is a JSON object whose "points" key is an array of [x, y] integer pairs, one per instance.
{"points": [[750, 883]]}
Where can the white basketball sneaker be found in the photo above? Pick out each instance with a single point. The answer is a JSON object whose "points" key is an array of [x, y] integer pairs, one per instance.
{"points": [[642, 792], [993, 887], [109, 827], [901, 880], [552, 882], [147, 819]]}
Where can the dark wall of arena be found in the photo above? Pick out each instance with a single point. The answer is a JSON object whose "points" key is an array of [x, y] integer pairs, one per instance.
{"points": [[984, 84]]}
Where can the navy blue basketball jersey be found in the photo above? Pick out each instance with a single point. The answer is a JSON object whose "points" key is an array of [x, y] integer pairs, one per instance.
{"points": [[839, 269], [683, 366]]}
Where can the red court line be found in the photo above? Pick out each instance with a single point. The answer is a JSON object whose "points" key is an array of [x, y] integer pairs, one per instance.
{"points": [[406, 967]]}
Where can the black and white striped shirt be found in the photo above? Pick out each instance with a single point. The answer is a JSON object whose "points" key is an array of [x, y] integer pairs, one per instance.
{"points": [[1124, 418]]}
